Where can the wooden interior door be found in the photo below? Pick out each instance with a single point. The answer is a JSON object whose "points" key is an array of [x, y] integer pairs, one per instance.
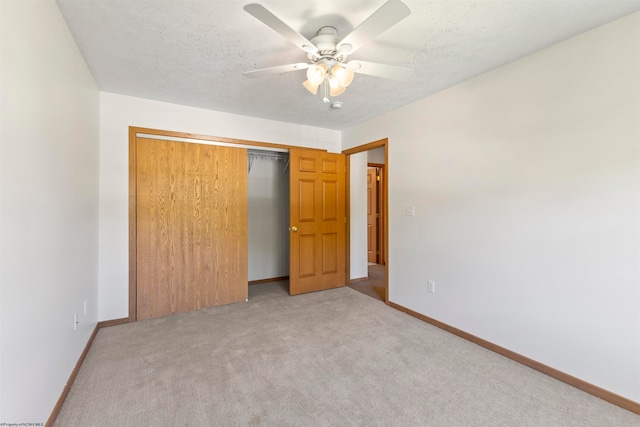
{"points": [[318, 221], [192, 244], [372, 215], [382, 209]]}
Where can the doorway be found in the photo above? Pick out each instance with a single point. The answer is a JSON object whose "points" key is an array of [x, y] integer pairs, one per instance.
{"points": [[368, 268]]}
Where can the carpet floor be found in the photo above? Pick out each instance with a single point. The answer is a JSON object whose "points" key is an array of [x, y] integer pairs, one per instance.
{"points": [[332, 358]]}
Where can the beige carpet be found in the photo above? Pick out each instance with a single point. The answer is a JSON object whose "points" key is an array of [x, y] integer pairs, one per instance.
{"points": [[332, 358]]}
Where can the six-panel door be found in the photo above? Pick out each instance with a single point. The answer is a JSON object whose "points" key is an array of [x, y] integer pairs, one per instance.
{"points": [[317, 217]]}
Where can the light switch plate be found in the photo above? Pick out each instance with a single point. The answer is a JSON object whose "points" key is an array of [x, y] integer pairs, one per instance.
{"points": [[410, 210]]}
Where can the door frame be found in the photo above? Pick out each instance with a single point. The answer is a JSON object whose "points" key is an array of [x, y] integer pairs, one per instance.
{"points": [[385, 210], [133, 215]]}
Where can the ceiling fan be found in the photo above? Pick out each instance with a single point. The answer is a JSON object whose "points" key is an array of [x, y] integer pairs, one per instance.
{"points": [[327, 53]]}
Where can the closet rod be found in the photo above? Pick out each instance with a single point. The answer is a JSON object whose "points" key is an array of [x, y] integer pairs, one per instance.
{"points": [[269, 156], [266, 155]]}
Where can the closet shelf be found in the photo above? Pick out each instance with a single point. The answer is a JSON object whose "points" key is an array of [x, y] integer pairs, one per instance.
{"points": [[268, 155]]}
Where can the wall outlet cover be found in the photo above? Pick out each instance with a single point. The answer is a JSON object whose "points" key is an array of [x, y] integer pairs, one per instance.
{"points": [[431, 286]]}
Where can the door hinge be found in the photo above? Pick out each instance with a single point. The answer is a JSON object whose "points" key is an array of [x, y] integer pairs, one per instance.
{"points": [[378, 178]]}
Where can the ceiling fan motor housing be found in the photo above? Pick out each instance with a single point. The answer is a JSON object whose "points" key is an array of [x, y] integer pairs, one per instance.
{"points": [[326, 42]]}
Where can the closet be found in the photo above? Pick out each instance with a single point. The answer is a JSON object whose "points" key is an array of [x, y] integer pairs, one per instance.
{"points": [[268, 210], [208, 215]]}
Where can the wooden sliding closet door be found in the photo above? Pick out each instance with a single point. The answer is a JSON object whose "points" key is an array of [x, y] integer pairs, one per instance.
{"points": [[191, 226]]}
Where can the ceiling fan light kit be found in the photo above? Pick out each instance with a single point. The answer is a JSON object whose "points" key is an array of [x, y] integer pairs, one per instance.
{"points": [[338, 77], [310, 87], [316, 73], [327, 53], [344, 75]]}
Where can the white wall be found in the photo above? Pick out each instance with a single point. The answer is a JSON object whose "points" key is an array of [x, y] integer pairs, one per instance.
{"points": [[49, 208], [268, 193], [117, 113], [526, 182], [358, 216], [376, 156]]}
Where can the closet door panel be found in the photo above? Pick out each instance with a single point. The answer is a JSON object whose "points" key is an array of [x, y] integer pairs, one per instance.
{"points": [[191, 226]]}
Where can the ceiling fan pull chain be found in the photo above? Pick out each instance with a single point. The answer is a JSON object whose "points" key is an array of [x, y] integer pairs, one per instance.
{"points": [[325, 90]]}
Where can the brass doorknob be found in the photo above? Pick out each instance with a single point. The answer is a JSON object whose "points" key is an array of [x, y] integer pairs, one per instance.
{"points": [[294, 228]]}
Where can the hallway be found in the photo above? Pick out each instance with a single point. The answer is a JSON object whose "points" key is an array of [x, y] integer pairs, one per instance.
{"points": [[376, 285]]}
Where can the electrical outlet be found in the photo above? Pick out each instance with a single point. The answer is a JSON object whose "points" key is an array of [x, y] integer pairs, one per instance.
{"points": [[75, 321], [431, 286], [84, 308]]}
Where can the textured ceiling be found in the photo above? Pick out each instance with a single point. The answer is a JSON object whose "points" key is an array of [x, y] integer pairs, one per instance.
{"points": [[192, 52]]}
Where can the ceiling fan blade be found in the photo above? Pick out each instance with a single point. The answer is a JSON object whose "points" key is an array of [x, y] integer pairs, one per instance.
{"points": [[380, 70], [389, 14], [275, 70], [275, 23]]}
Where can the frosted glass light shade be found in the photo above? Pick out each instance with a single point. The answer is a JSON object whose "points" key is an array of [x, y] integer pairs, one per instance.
{"points": [[338, 91], [344, 75], [316, 73], [335, 88], [310, 87]]}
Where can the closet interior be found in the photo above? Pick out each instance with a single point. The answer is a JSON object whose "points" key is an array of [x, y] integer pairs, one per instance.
{"points": [[268, 208]]}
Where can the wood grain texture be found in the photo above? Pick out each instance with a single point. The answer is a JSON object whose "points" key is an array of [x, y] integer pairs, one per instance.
{"points": [[192, 244], [317, 209], [133, 132], [133, 257]]}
